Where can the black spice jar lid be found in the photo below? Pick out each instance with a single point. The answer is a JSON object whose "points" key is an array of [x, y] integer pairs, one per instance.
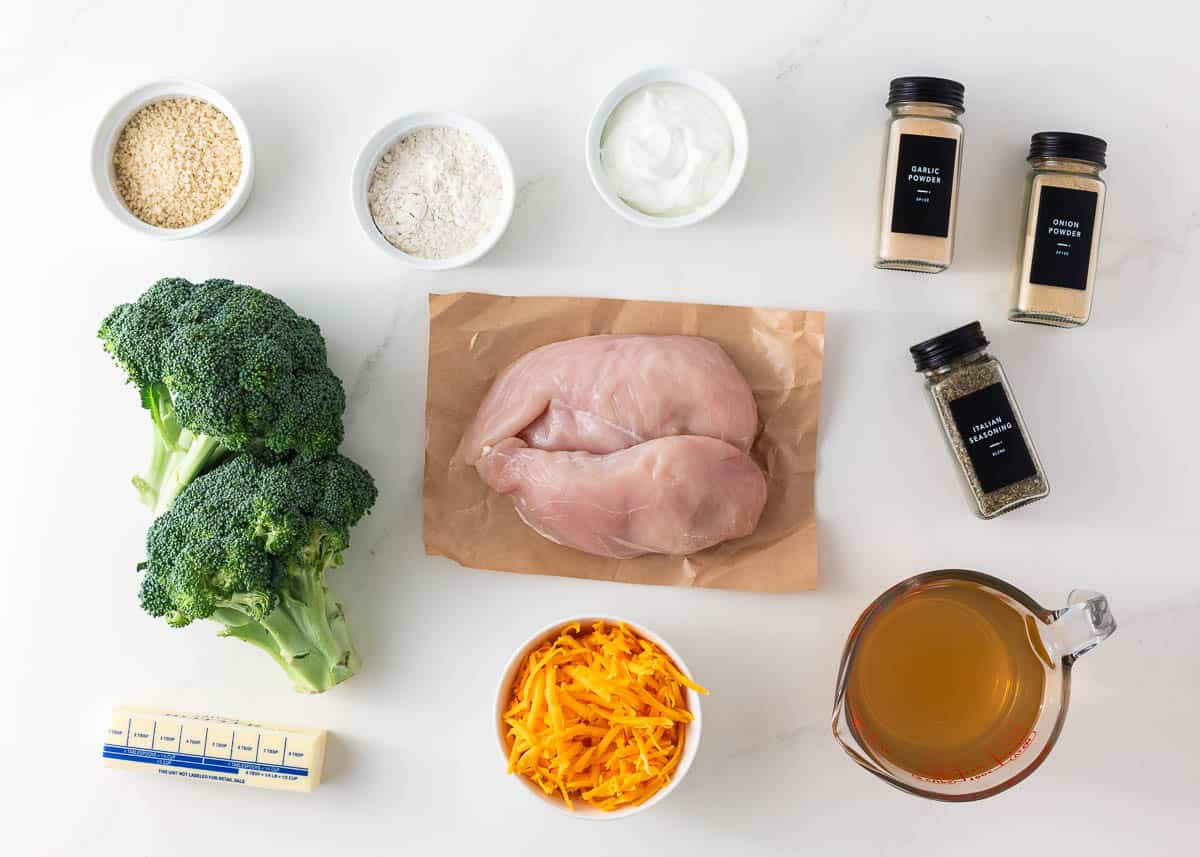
{"points": [[1064, 144], [937, 90], [937, 352]]}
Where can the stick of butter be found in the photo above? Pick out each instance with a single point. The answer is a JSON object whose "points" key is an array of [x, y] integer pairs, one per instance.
{"points": [[203, 747]]}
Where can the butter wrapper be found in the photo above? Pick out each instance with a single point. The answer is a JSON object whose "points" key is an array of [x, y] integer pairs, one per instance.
{"points": [[215, 749]]}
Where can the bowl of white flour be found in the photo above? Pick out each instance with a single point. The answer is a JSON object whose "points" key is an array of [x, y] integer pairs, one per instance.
{"points": [[434, 189]]}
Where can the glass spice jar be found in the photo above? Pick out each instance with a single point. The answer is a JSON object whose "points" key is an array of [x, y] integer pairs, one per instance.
{"points": [[981, 421], [1064, 204], [922, 162]]}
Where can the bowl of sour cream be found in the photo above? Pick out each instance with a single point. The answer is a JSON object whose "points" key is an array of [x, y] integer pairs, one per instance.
{"points": [[667, 147]]}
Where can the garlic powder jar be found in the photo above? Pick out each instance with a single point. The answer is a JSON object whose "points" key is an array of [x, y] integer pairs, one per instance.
{"points": [[921, 167]]}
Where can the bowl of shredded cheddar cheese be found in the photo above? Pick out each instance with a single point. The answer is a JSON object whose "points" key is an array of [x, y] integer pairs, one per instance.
{"points": [[598, 717]]}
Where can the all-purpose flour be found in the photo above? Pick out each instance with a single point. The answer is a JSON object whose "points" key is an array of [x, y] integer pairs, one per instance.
{"points": [[435, 193]]}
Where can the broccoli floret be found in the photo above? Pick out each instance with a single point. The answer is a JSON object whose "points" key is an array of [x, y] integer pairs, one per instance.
{"points": [[248, 545], [223, 368]]}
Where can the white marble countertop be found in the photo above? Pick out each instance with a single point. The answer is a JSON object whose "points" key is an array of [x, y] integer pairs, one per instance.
{"points": [[413, 768]]}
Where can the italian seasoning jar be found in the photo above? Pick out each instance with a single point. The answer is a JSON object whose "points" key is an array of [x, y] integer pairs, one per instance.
{"points": [[921, 167], [981, 421], [1064, 203]]}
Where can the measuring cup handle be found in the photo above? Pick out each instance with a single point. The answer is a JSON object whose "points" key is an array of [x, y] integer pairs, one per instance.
{"points": [[1079, 627]]}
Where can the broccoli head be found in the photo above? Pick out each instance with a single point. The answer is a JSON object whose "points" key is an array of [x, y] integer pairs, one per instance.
{"points": [[248, 544], [223, 368]]}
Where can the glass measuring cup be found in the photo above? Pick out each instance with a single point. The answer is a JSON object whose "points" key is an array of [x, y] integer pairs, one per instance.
{"points": [[954, 684]]}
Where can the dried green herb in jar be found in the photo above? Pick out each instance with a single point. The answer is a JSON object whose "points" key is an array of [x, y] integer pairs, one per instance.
{"points": [[981, 420]]}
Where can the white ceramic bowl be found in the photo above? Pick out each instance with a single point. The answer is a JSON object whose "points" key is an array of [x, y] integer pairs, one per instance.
{"points": [[109, 130], [667, 74], [583, 810], [393, 131]]}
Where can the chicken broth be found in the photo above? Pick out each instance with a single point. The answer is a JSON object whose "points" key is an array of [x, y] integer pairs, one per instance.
{"points": [[947, 682]]}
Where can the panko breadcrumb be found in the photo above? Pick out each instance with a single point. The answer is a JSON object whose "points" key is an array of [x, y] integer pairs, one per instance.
{"points": [[177, 162]]}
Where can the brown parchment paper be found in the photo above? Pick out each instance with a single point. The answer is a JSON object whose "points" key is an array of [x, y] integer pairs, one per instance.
{"points": [[472, 337]]}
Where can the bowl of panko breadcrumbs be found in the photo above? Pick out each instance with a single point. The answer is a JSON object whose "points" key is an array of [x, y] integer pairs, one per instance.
{"points": [[172, 159]]}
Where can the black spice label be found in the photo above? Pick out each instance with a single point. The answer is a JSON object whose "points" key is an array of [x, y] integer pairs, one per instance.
{"points": [[989, 430], [1062, 242], [924, 185]]}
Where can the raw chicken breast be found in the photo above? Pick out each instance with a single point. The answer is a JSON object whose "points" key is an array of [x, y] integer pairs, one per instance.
{"points": [[672, 495], [601, 394]]}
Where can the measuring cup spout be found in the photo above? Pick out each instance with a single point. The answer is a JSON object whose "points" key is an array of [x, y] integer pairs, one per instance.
{"points": [[1079, 627]]}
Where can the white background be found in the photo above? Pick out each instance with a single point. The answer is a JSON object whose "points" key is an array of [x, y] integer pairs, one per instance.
{"points": [[413, 767]]}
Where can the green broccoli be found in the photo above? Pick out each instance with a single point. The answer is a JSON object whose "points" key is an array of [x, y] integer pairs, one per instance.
{"points": [[248, 545], [223, 368]]}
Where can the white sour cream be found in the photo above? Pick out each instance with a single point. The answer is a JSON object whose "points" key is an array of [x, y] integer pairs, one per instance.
{"points": [[667, 149]]}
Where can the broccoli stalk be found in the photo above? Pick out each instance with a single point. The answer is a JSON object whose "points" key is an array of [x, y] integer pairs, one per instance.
{"points": [[177, 454], [249, 545], [306, 633]]}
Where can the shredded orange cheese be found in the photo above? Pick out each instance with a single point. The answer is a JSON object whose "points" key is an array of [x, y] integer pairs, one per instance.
{"points": [[598, 716]]}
